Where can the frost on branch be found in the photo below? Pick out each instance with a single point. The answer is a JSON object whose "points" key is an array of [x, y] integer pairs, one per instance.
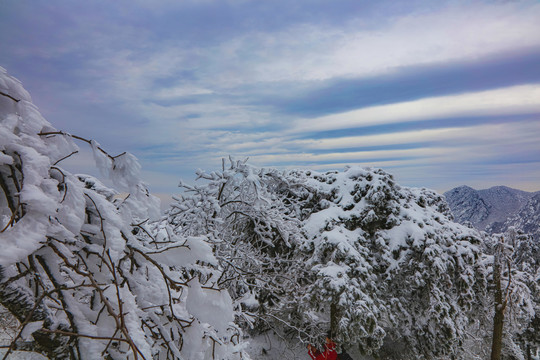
{"points": [[88, 273], [253, 218]]}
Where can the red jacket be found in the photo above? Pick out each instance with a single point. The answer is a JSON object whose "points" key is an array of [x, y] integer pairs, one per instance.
{"points": [[328, 354]]}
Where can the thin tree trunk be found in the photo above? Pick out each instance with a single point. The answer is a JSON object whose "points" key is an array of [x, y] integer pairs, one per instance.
{"points": [[498, 318], [333, 318]]}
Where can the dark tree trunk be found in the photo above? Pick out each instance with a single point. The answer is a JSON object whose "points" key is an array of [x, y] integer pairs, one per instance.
{"points": [[333, 319], [500, 305], [496, 345]]}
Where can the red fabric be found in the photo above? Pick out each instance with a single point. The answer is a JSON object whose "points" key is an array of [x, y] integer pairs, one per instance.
{"points": [[313, 352], [328, 354]]}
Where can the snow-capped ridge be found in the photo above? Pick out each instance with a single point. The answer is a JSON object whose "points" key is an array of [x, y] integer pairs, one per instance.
{"points": [[496, 209], [482, 208]]}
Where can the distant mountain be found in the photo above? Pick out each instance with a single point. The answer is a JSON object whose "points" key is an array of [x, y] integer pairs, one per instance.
{"points": [[527, 218], [467, 205], [496, 208]]}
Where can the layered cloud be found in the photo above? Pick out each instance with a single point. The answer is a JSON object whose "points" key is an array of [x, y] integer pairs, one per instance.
{"points": [[515, 100], [423, 88]]}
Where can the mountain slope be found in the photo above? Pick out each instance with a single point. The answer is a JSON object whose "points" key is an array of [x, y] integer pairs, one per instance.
{"points": [[526, 219], [484, 208]]}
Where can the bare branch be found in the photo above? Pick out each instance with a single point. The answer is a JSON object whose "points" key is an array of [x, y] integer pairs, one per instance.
{"points": [[9, 96], [65, 157]]}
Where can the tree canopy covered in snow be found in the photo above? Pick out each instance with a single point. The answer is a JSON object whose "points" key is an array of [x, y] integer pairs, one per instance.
{"points": [[350, 253]]}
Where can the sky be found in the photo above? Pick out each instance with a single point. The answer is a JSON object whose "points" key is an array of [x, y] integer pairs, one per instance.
{"points": [[438, 93]]}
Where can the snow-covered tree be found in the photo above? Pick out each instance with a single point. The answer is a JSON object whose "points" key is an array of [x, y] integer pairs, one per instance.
{"points": [[85, 268], [350, 253], [515, 268], [253, 217], [396, 270]]}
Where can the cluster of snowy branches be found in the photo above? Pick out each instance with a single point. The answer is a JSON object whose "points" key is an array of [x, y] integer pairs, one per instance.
{"points": [[93, 271], [379, 266], [86, 269]]}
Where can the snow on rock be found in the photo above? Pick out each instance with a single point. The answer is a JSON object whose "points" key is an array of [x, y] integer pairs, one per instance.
{"points": [[527, 219]]}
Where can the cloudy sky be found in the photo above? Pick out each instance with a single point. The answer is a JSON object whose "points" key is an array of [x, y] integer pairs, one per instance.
{"points": [[439, 93]]}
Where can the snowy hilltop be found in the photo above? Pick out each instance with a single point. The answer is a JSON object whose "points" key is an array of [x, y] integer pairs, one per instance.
{"points": [[93, 271]]}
